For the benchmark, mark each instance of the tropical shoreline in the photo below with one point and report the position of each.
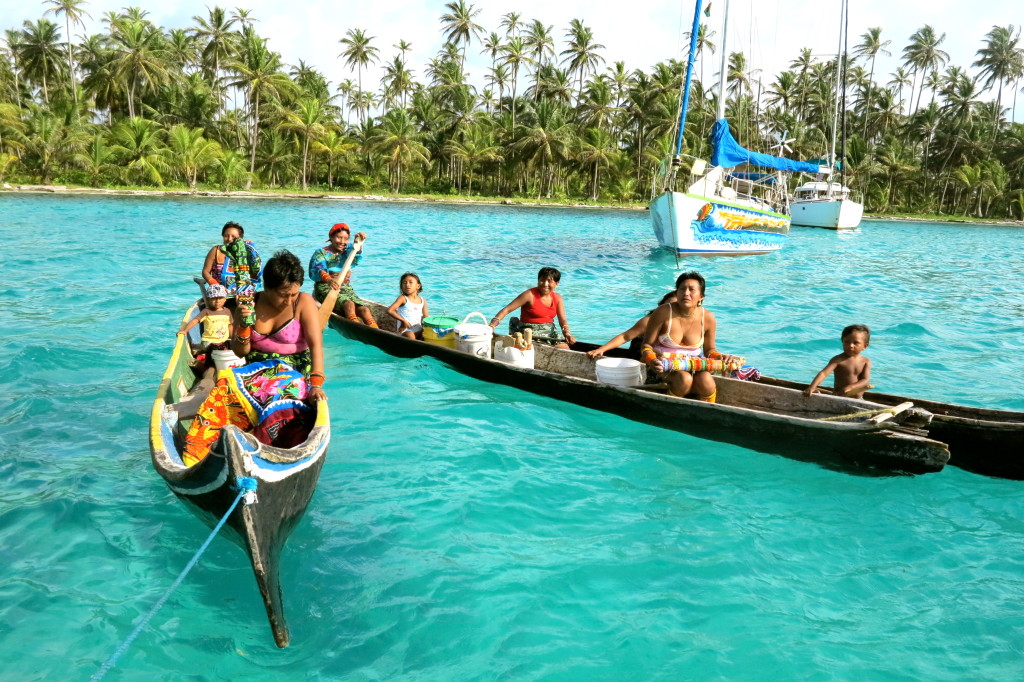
(244, 194)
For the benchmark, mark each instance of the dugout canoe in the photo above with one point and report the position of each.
(770, 419)
(981, 440)
(286, 478)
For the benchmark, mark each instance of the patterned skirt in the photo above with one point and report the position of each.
(300, 362)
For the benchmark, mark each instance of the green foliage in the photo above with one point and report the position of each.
(211, 103)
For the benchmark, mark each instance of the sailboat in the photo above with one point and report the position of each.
(823, 202)
(722, 213)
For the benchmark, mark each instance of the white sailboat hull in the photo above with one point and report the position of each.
(695, 225)
(833, 214)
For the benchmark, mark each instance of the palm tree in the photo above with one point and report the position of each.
(73, 12)
(182, 51)
(243, 18)
(923, 55)
(510, 22)
(332, 145)
(39, 53)
(458, 25)
(703, 43)
(12, 128)
(597, 149)
(736, 75)
(400, 143)
(231, 171)
(581, 54)
(12, 37)
(871, 45)
(96, 159)
(7, 161)
(476, 147)
(397, 82)
(541, 45)
(515, 55)
(900, 79)
(219, 41)
(276, 158)
(802, 64)
(403, 47)
(48, 141)
(598, 109)
(307, 119)
(498, 77)
(1000, 60)
(545, 142)
(137, 145)
(140, 59)
(190, 153)
(358, 53)
(346, 90)
(259, 72)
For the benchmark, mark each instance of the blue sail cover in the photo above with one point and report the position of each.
(728, 153)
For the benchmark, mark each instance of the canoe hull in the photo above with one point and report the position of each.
(285, 478)
(980, 440)
(841, 445)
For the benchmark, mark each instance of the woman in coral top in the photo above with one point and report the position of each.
(540, 306)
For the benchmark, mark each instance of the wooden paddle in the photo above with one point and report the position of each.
(327, 306)
(890, 413)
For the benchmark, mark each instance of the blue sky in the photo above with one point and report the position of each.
(640, 33)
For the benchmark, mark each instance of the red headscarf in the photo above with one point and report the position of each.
(336, 227)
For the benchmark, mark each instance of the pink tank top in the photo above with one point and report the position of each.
(286, 340)
(669, 348)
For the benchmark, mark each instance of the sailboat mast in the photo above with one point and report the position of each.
(835, 105)
(846, 59)
(694, 31)
(722, 75)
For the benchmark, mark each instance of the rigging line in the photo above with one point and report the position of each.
(245, 486)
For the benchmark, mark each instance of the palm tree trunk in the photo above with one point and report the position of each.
(71, 63)
(305, 156)
(253, 133)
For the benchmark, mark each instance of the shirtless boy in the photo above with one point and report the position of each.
(852, 370)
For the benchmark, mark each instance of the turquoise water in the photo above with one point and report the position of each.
(467, 531)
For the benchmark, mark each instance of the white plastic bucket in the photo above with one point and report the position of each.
(511, 355)
(474, 338)
(620, 371)
(226, 359)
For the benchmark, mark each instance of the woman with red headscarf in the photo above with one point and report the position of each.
(326, 263)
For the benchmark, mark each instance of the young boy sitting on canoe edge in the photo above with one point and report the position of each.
(326, 263)
(540, 306)
(852, 370)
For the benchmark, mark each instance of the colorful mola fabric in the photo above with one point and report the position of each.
(264, 398)
(221, 407)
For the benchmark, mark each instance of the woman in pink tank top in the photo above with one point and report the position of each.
(287, 323)
(684, 329)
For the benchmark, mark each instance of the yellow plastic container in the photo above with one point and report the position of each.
(440, 330)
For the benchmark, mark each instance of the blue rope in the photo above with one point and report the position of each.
(243, 485)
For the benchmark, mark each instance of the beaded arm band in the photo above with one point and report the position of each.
(647, 353)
